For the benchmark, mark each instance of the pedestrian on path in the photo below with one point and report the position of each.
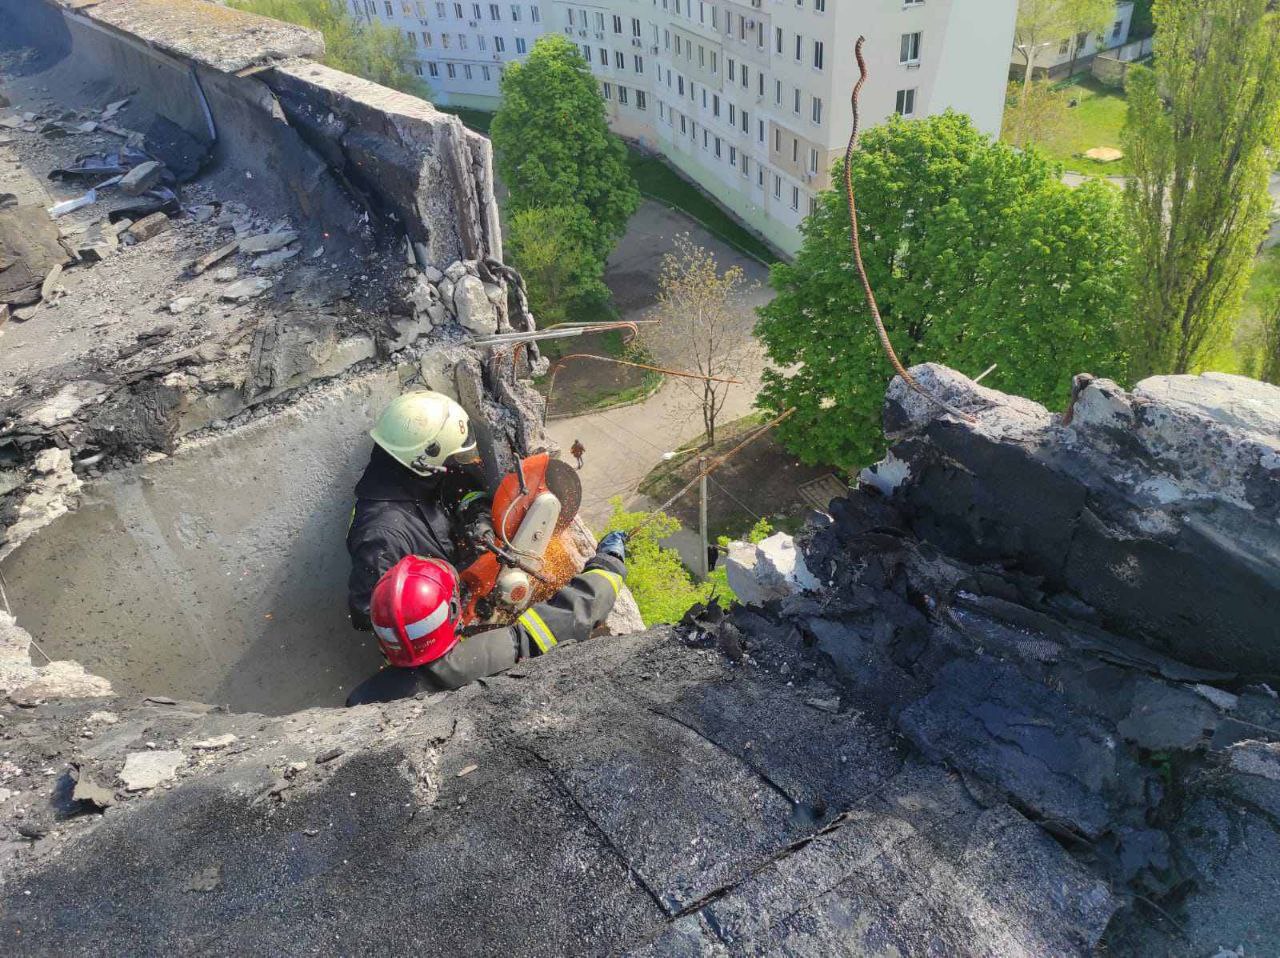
(578, 449)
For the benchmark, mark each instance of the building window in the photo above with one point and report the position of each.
(604, 57)
(684, 127)
(515, 13)
(600, 22)
(816, 114)
(910, 49)
(733, 114)
(440, 11)
(421, 8)
(729, 65)
(813, 205)
(451, 70)
(520, 45)
(481, 41)
(795, 197)
(799, 48)
(640, 100)
(817, 54)
(704, 129)
(444, 40)
(426, 38)
(619, 59)
(717, 148)
(819, 6)
(387, 4)
(778, 37)
(535, 14)
(760, 130)
(777, 186)
(484, 72)
(617, 24)
(433, 69)
(813, 160)
(746, 124)
(795, 150)
(680, 85)
(777, 141)
(586, 53)
(745, 162)
(760, 177)
(715, 104)
(622, 95)
(1063, 48)
(906, 103)
(608, 91)
(417, 68)
(744, 76)
(413, 39)
(457, 11)
(1117, 30)
(733, 156)
(795, 105)
(759, 84)
(466, 70)
(639, 62)
(499, 44)
(635, 27)
(666, 39)
(715, 62)
(715, 18)
(462, 41)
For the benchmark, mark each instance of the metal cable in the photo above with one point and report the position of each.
(883, 333)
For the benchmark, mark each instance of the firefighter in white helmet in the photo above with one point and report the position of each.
(422, 494)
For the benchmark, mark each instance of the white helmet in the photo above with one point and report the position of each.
(422, 429)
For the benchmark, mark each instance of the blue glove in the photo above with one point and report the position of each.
(614, 544)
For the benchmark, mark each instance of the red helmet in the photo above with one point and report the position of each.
(416, 610)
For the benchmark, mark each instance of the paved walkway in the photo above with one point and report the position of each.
(624, 444)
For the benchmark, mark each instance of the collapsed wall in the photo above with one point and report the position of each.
(183, 419)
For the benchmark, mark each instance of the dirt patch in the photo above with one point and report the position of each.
(762, 481)
(581, 385)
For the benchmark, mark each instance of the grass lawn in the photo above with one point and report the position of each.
(1096, 121)
(584, 385)
(659, 181)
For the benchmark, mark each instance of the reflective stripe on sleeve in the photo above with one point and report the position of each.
(471, 497)
(541, 633)
(612, 578)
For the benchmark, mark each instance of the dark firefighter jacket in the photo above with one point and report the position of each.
(568, 616)
(398, 513)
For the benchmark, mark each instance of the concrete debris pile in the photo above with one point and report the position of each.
(1082, 621)
(292, 225)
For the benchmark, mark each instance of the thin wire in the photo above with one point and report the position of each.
(883, 333)
(4, 596)
(719, 486)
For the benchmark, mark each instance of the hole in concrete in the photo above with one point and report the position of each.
(219, 574)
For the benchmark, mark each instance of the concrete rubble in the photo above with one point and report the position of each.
(921, 751)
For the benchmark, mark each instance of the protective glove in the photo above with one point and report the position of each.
(614, 544)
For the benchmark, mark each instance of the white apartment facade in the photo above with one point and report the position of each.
(750, 98)
(461, 48)
(747, 98)
(1054, 58)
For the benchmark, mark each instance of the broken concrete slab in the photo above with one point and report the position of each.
(147, 770)
(268, 242)
(151, 225)
(141, 178)
(245, 289)
(771, 569)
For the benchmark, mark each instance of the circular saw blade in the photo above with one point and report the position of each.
(563, 483)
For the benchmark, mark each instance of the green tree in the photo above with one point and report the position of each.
(1043, 24)
(978, 254)
(1198, 134)
(1034, 114)
(553, 147)
(371, 50)
(663, 588)
(561, 274)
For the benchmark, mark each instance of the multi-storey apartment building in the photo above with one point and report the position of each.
(748, 98)
(461, 48)
(1057, 57)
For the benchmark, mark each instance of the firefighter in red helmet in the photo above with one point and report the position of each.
(416, 607)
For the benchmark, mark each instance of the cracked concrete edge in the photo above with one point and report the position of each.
(210, 34)
(27, 683)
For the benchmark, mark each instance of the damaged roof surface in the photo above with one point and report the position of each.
(629, 794)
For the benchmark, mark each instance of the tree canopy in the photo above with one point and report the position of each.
(1045, 23)
(1199, 134)
(371, 50)
(978, 254)
(553, 147)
